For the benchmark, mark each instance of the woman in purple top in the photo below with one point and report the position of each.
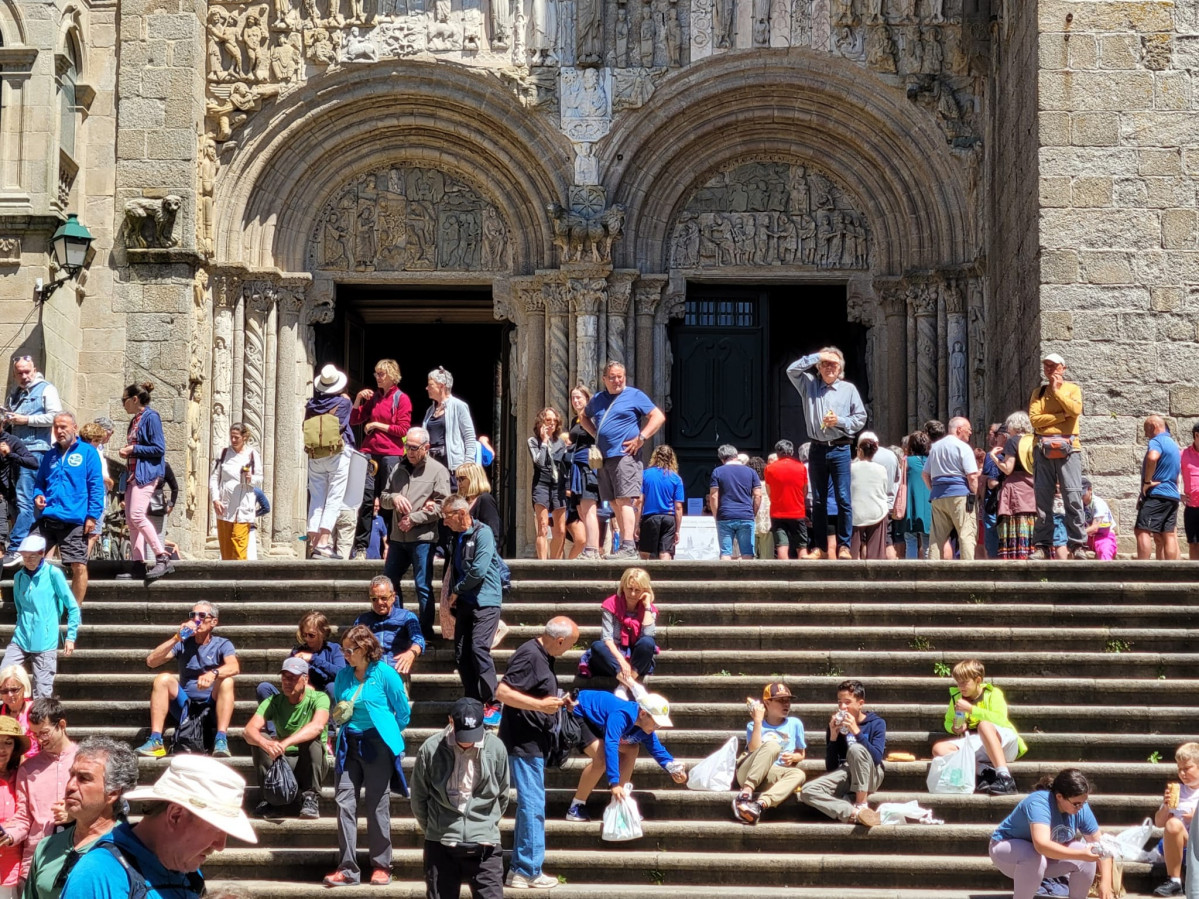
(328, 474)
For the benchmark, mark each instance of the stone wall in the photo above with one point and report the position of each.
(1120, 257)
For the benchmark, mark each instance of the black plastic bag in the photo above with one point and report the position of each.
(279, 787)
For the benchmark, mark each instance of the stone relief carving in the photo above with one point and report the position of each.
(577, 232)
(10, 251)
(200, 350)
(586, 103)
(770, 213)
(150, 222)
(405, 218)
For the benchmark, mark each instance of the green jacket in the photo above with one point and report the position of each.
(437, 815)
(991, 706)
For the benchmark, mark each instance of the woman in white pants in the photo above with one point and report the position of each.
(328, 470)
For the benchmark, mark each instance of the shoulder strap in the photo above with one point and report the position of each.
(395, 402)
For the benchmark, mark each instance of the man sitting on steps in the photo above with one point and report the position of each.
(397, 630)
(857, 741)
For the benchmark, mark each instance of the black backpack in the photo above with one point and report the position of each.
(193, 734)
(565, 734)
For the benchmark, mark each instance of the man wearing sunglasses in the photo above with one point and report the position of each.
(32, 404)
(207, 666)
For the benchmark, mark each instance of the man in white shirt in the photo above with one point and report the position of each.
(951, 473)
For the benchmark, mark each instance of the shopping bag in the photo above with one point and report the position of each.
(715, 773)
(903, 812)
(280, 787)
(953, 773)
(622, 819)
(1129, 844)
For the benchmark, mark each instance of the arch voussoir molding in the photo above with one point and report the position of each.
(860, 130)
(294, 154)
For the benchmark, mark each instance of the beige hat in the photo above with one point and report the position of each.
(330, 380)
(209, 790)
(656, 706)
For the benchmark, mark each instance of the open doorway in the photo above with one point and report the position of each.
(731, 352)
(422, 329)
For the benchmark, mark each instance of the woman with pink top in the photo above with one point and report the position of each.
(1190, 493)
(626, 647)
(14, 744)
(15, 699)
(385, 415)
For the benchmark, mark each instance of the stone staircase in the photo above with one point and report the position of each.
(1098, 661)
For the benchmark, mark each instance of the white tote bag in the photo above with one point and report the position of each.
(715, 773)
(622, 819)
(953, 773)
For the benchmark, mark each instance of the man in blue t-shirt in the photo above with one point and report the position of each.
(1157, 507)
(207, 666)
(734, 500)
(621, 419)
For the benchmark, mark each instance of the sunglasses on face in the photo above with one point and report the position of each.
(12, 691)
(201, 616)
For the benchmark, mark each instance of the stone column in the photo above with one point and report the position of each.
(892, 392)
(980, 412)
(586, 296)
(922, 308)
(226, 290)
(557, 369)
(258, 300)
(862, 309)
(647, 295)
(620, 299)
(673, 307)
(956, 348)
(290, 482)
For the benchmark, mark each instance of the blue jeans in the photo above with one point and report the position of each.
(741, 530)
(25, 516)
(420, 557)
(528, 836)
(827, 462)
(991, 535)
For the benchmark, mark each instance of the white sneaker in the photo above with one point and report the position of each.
(540, 882)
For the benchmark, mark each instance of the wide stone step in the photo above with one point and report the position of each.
(415, 889)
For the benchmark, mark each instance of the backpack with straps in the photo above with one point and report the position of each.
(138, 888)
(322, 436)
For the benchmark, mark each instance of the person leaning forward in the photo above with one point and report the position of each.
(1054, 410)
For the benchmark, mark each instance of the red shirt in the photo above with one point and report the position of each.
(393, 409)
(787, 483)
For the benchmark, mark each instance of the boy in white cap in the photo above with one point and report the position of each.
(42, 596)
(196, 807)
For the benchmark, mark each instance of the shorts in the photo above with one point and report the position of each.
(789, 532)
(1190, 521)
(587, 734)
(69, 538)
(1158, 515)
(620, 478)
(658, 534)
(552, 496)
(1059, 530)
(1008, 740)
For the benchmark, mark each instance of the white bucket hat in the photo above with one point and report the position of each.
(656, 706)
(209, 790)
(330, 380)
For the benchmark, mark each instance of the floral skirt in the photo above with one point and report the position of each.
(1015, 535)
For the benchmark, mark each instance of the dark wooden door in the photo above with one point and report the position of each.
(718, 391)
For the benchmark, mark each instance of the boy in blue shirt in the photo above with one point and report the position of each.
(774, 748)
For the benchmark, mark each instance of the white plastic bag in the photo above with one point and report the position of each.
(1129, 845)
(903, 812)
(715, 773)
(622, 819)
(953, 773)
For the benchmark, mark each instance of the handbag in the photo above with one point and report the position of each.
(344, 710)
(158, 502)
(1056, 446)
(280, 787)
(595, 459)
(622, 819)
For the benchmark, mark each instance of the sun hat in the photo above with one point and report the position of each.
(34, 543)
(10, 727)
(330, 380)
(656, 706)
(209, 790)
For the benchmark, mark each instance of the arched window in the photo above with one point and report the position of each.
(68, 109)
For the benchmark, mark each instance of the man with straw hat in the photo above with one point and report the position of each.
(197, 806)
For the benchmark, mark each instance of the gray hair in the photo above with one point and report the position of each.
(836, 352)
(381, 580)
(611, 364)
(442, 377)
(784, 448)
(417, 436)
(454, 503)
(1018, 423)
(726, 452)
(66, 414)
(120, 764)
(211, 607)
(956, 422)
(560, 628)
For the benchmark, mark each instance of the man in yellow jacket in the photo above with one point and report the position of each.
(1054, 409)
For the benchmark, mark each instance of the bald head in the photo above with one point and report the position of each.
(960, 428)
(1154, 425)
(561, 633)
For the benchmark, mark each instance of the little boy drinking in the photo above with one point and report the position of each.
(977, 717)
(775, 746)
(1174, 815)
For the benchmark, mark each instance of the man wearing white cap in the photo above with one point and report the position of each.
(42, 596)
(328, 441)
(197, 806)
(1054, 410)
(300, 717)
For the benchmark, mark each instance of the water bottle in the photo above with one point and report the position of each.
(959, 719)
(186, 631)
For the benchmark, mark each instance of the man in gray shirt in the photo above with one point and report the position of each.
(834, 413)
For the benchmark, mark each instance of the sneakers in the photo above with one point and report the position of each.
(220, 747)
(340, 879)
(310, 807)
(520, 882)
(1038, 555)
(1003, 785)
(866, 816)
(1078, 554)
(816, 554)
(986, 777)
(324, 552)
(492, 712)
(380, 877)
(590, 554)
(578, 814)
(10, 559)
(746, 810)
(1169, 888)
(152, 749)
(626, 551)
(264, 810)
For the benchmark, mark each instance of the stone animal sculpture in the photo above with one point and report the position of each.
(155, 215)
(570, 230)
(575, 233)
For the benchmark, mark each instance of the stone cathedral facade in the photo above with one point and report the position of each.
(980, 179)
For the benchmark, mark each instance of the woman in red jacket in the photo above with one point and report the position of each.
(384, 415)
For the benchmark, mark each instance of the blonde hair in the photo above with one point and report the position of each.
(1187, 752)
(633, 577)
(664, 457)
(969, 670)
(92, 433)
(19, 674)
(472, 479)
(389, 367)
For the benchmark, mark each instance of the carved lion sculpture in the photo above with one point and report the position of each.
(612, 219)
(156, 215)
(570, 231)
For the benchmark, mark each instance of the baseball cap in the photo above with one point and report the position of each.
(775, 691)
(34, 543)
(656, 706)
(1086, 484)
(1054, 358)
(467, 715)
(296, 666)
(869, 435)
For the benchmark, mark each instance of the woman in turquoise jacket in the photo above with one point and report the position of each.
(370, 746)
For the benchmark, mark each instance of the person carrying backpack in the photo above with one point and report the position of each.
(328, 442)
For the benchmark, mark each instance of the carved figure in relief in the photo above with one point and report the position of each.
(357, 48)
(779, 24)
(724, 15)
(674, 34)
(685, 252)
(207, 171)
(564, 42)
(957, 378)
(222, 46)
(912, 53)
(366, 247)
(323, 47)
(880, 49)
(801, 23)
(286, 58)
(660, 54)
(843, 12)
(151, 222)
(443, 34)
(936, 10)
(874, 11)
(543, 27)
(589, 32)
(851, 42)
(254, 35)
(934, 52)
(761, 33)
(907, 11)
(519, 27)
(284, 13)
(646, 45)
(631, 88)
(622, 36)
(495, 240)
